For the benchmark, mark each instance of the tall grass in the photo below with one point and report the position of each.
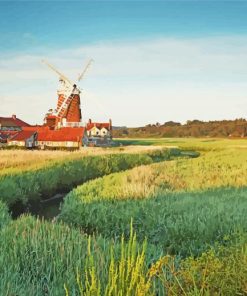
(12, 161)
(53, 259)
(34, 184)
(182, 205)
(180, 223)
(197, 144)
(220, 271)
(41, 258)
(211, 170)
(4, 215)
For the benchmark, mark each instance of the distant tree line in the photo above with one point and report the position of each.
(192, 128)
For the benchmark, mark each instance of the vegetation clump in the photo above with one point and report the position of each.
(188, 216)
(58, 177)
(220, 271)
(4, 215)
(53, 259)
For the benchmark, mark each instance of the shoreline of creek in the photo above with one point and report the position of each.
(49, 208)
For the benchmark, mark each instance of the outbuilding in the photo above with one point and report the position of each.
(23, 139)
(68, 137)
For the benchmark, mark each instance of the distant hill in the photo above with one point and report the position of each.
(192, 128)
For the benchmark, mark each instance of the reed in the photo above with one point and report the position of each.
(52, 259)
(4, 215)
(180, 223)
(220, 271)
(182, 205)
(35, 184)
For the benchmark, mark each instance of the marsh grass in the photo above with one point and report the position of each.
(35, 184)
(220, 271)
(214, 169)
(4, 215)
(12, 161)
(52, 259)
(183, 205)
(191, 211)
(180, 223)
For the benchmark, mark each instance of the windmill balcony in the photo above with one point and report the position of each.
(73, 124)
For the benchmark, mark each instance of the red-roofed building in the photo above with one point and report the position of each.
(99, 134)
(97, 129)
(43, 137)
(23, 139)
(11, 123)
(10, 126)
(69, 137)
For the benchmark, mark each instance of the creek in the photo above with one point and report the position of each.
(46, 209)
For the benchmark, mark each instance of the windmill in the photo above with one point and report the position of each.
(68, 111)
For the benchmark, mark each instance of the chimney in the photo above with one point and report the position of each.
(14, 116)
(89, 121)
(110, 122)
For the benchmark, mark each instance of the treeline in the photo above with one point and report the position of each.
(192, 128)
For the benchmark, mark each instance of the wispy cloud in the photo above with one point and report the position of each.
(135, 82)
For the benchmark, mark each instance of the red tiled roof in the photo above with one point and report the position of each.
(36, 128)
(98, 125)
(8, 133)
(70, 134)
(12, 121)
(22, 136)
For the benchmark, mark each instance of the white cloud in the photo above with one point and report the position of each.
(135, 82)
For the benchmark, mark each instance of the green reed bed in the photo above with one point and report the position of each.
(4, 215)
(62, 176)
(43, 258)
(219, 271)
(180, 223)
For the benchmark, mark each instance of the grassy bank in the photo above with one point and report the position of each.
(189, 216)
(183, 205)
(54, 259)
(50, 259)
(196, 144)
(12, 161)
(180, 223)
(4, 215)
(211, 170)
(35, 184)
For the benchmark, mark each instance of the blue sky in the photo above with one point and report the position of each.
(154, 60)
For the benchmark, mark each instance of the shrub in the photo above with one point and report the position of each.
(220, 271)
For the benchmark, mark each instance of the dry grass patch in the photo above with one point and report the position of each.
(13, 160)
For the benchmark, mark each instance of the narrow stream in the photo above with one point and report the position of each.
(46, 209)
(50, 208)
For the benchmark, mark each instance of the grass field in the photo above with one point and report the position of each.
(15, 160)
(141, 225)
